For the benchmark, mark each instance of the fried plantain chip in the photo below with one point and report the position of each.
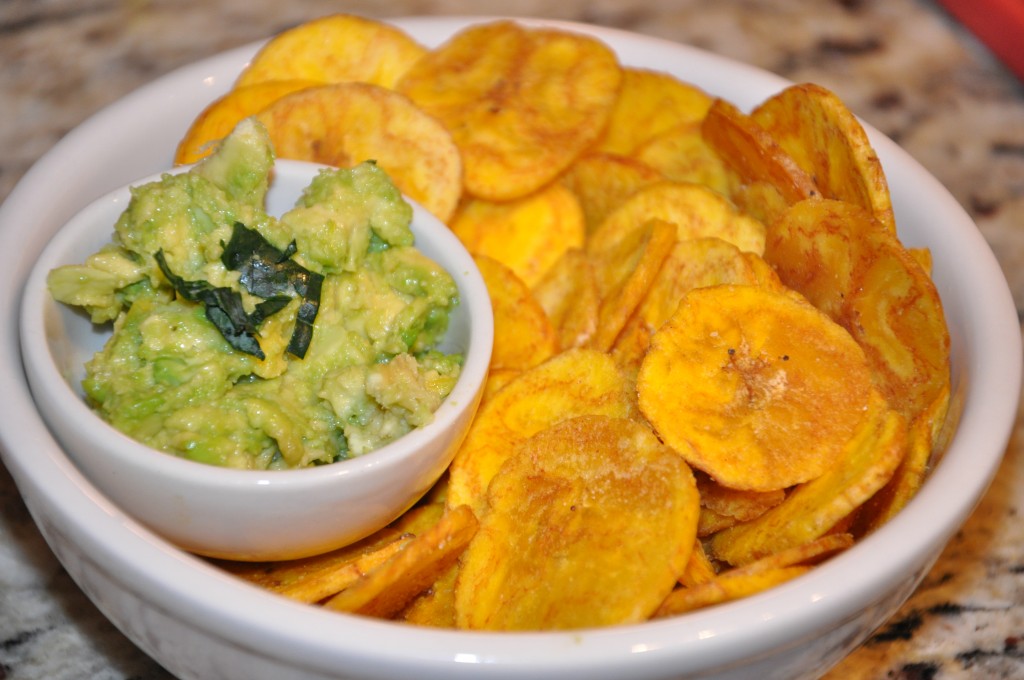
(568, 293)
(347, 123)
(625, 266)
(699, 568)
(755, 387)
(522, 103)
(853, 268)
(575, 382)
(528, 235)
(726, 587)
(602, 181)
(681, 154)
(224, 113)
(812, 509)
(649, 103)
(387, 589)
(434, 607)
(824, 138)
(739, 504)
(589, 523)
(333, 49)
(523, 334)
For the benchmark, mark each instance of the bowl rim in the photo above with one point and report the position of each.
(758, 624)
(126, 450)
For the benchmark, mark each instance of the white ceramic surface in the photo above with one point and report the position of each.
(203, 624)
(245, 514)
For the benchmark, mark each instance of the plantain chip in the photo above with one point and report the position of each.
(726, 587)
(528, 235)
(681, 154)
(824, 138)
(523, 334)
(522, 103)
(755, 387)
(589, 523)
(602, 181)
(575, 382)
(569, 296)
(346, 123)
(333, 49)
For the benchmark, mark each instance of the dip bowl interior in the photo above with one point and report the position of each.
(245, 514)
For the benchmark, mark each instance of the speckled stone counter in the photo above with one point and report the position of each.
(900, 64)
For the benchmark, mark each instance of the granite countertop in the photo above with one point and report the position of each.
(902, 65)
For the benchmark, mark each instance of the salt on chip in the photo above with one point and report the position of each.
(589, 523)
(388, 588)
(221, 116)
(522, 103)
(649, 103)
(755, 387)
(335, 48)
(528, 235)
(822, 135)
(523, 334)
(574, 383)
(602, 181)
(812, 509)
(345, 124)
(568, 293)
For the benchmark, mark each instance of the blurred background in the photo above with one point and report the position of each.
(907, 67)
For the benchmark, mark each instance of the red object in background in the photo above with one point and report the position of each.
(998, 23)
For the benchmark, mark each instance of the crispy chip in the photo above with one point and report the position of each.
(602, 181)
(435, 607)
(625, 266)
(699, 568)
(854, 269)
(521, 102)
(589, 523)
(388, 588)
(812, 509)
(739, 504)
(523, 334)
(333, 49)
(695, 210)
(576, 382)
(527, 235)
(649, 103)
(348, 123)
(726, 587)
(757, 158)
(823, 136)
(220, 117)
(755, 387)
(568, 293)
(681, 154)
(497, 378)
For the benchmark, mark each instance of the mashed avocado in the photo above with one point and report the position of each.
(248, 341)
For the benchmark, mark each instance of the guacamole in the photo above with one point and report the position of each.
(248, 341)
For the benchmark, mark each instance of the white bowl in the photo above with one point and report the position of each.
(245, 514)
(201, 623)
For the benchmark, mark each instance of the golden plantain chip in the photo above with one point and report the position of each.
(523, 334)
(695, 210)
(568, 293)
(575, 382)
(528, 235)
(218, 119)
(755, 387)
(602, 181)
(681, 154)
(521, 102)
(699, 568)
(625, 267)
(711, 522)
(347, 123)
(333, 49)
(391, 586)
(757, 158)
(823, 136)
(812, 509)
(812, 552)
(649, 103)
(726, 587)
(740, 504)
(854, 269)
(435, 607)
(589, 523)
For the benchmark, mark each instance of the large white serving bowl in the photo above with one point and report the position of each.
(201, 623)
(246, 514)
